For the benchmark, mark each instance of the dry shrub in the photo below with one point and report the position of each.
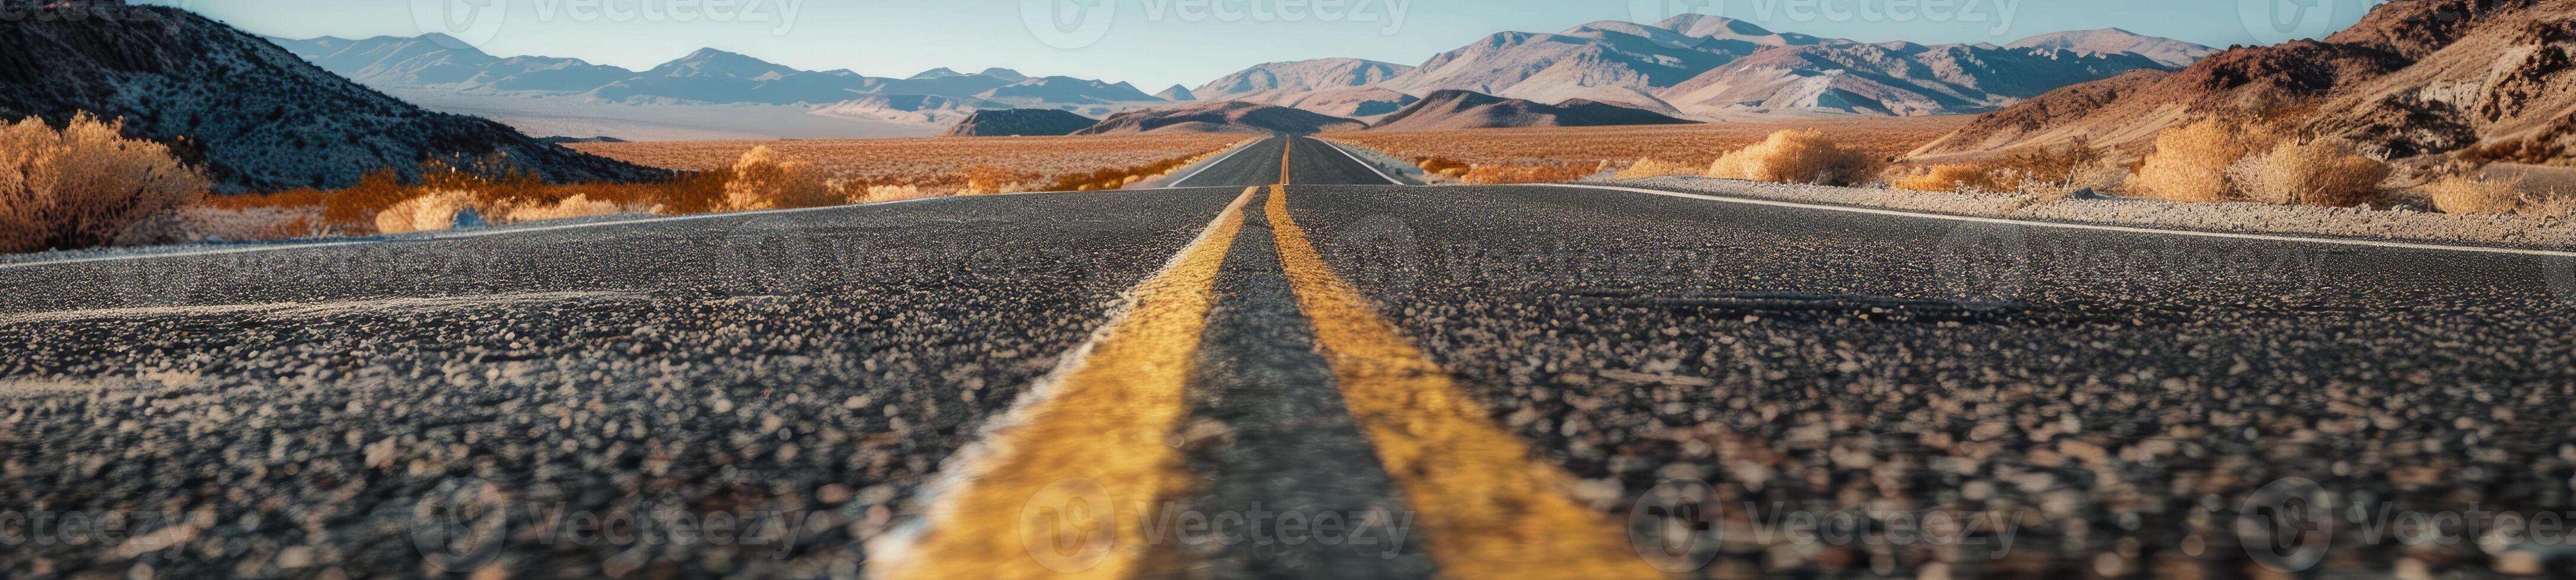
(1111, 178)
(577, 206)
(2317, 173)
(886, 193)
(2462, 194)
(2099, 175)
(1659, 167)
(2049, 173)
(199, 223)
(1954, 177)
(990, 179)
(2190, 162)
(1795, 156)
(764, 180)
(84, 185)
(1540, 173)
(1443, 167)
(432, 212)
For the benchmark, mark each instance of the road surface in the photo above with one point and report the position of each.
(1284, 368)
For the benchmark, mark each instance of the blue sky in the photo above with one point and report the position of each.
(1157, 43)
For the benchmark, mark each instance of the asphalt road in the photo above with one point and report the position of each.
(1323, 379)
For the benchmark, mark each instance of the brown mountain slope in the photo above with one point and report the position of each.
(2386, 46)
(1020, 123)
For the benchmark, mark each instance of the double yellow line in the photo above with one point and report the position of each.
(1066, 492)
(1062, 491)
(1487, 510)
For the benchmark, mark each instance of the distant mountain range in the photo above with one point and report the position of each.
(1695, 67)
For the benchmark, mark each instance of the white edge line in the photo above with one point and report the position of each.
(2060, 225)
(966, 465)
(1176, 183)
(1372, 167)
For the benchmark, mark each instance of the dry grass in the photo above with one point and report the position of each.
(499, 196)
(2047, 173)
(764, 179)
(436, 211)
(1444, 167)
(1535, 173)
(937, 166)
(2317, 173)
(2472, 195)
(1953, 177)
(1796, 156)
(751, 176)
(84, 185)
(1659, 167)
(440, 210)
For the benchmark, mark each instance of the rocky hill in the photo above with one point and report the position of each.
(1020, 122)
(1472, 110)
(1223, 117)
(258, 117)
(2414, 77)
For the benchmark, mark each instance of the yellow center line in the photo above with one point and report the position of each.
(1284, 150)
(1063, 492)
(1487, 510)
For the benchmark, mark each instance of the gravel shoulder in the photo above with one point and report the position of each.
(2515, 231)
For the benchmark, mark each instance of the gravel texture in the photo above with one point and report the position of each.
(2120, 397)
(352, 410)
